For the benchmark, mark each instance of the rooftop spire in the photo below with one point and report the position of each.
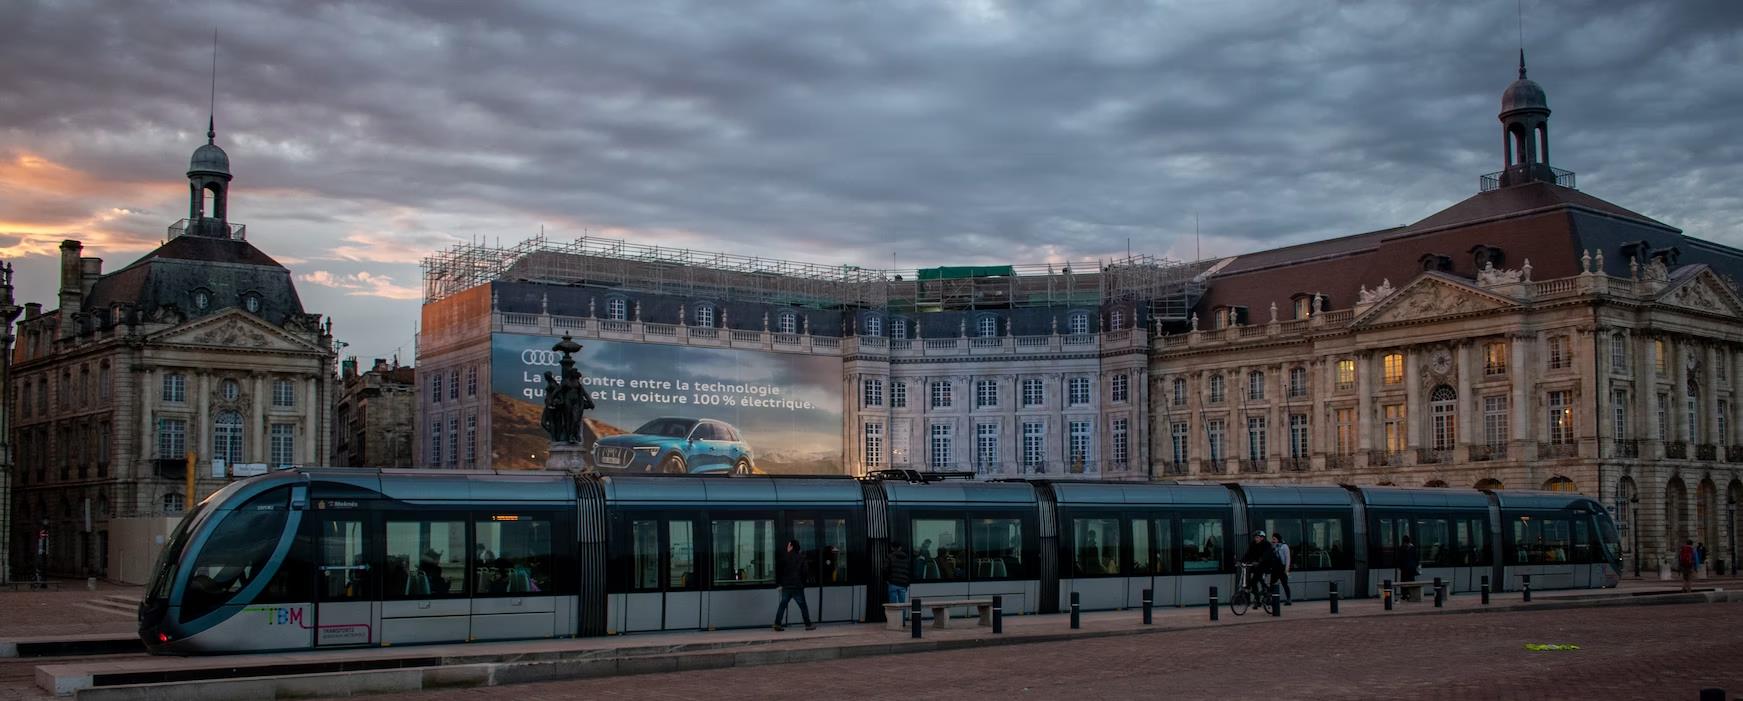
(1522, 63)
(212, 104)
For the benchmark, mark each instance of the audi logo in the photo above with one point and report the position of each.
(539, 357)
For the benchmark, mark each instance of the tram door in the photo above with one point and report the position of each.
(345, 609)
(828, 592)
(665, 593)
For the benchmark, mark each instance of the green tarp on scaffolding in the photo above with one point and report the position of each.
(955, 272)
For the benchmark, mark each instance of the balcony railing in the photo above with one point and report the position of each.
(1381, 457)
(1625, 448)
(1492, 181)
(1297, 464)
(1734, 453)
(1485, 453)
(1250, 466)
(208, 227)
(1676, 450)
(1175, 469)
(1707, 451)
(1340, 462)
(1433, 456)
(1551, 451)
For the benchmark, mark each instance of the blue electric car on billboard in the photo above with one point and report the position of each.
(676, 445)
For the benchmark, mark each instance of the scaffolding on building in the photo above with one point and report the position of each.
(1170, 287)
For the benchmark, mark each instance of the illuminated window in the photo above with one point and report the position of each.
(1345, 436)
(1393, 424)
(1660, 356)
(1561, 417)
(1495, 358)
(1443, 417)
(1392, 368)
(1346, 370)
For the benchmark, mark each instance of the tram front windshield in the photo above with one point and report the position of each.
(169, 560)
(1612, 541)
(236, 553)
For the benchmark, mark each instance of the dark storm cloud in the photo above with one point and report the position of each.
(941, 132)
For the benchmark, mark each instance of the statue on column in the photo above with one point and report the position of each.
(566, 399)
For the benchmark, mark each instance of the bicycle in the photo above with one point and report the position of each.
(1249, 587)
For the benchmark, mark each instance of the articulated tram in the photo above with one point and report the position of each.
(328, 557)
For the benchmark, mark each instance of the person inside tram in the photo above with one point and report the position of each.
(430, 566)
(1089, 559)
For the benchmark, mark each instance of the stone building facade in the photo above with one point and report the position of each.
(200, 348)
(1537, 338)
(374, 419)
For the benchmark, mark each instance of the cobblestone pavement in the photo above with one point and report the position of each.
(71, 611)
(1649, 652)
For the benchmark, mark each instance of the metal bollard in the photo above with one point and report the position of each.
(1149, 601)
(1386, 593)
(1276, 600)
(998, 615)
(1440, 596)
(1213, 604)
(1527, 587)
(1334, 597)
(1075, 612)
(1485, 590)
(914, 617)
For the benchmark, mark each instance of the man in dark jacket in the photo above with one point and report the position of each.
(897, 573)
(790, 574)
(1262, 557)
(1409, 564)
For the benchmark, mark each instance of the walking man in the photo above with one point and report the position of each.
(1284, 562)
(1685, 564)
(790, 574)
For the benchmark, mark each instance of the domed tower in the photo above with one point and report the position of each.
(209, 173)
(1525, 132)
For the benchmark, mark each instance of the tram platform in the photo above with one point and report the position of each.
(417, 668)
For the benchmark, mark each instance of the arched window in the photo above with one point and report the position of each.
(1077, 324)
(202, 299)
(1216, 388)
(1559, 483)
(874, 326)
(1179, 391)
(617, 309)
(986, 326)
(1255, 385)
(1116, 320)
(705, 316)
(1443, 417)
(787, 322)
(227, 437)
(1489, 483)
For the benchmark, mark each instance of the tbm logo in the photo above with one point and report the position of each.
(284, 616)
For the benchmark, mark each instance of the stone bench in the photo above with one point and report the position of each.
(894, 614)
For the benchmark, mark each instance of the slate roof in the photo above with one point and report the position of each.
(228, 269)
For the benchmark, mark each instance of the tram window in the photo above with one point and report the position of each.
(425, 559)
(1095, 545)
(1472, 537)
(744, 552)
(1152, 546)
(804, 531)
(512, 555)
(1557, 540)
(998, 548)
(834, 551)
(1391, 533)
(1321, 546)
(1143, 552)
(344, 565)
(1582, 542)
(235, 553)
(1162, 561)
(681, 565)
(939, 554)
(1432, 543)
(644, 550)
(1201, 544)
(1290, 529)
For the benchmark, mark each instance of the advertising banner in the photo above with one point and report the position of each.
(672, 408)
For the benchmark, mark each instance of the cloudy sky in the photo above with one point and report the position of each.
(365, 136)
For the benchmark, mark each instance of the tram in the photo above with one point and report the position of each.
(315, 558)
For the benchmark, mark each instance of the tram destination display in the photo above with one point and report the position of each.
(671, 408)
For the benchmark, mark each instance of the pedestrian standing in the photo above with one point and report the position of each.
(1284, 563)
(1408, 564)
(1700, 555)
(790, 574)
(898, 571)
(1685, 564)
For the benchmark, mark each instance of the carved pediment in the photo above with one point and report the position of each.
(234, 331)
(1703, 292)
(1428, 297)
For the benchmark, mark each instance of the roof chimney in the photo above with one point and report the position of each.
(90, 269)
(72, 287)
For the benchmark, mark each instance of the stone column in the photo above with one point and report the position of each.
(150, 389)
(312, 429)
(1320, 421)
(1364, 403)
(201, 445)
(1588, 428)
(1710, 399)
(1521, 374)
(1467, 401)
(1679, 394)
(257, 448)
(1645, 423)
(1414, 412)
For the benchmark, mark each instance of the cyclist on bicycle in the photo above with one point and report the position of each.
(1263, 559)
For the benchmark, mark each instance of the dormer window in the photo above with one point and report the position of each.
(251, 302)
(1078, 323)
(987, 326)
(617, 309)
(874, 326)
(899, 329)
(705, 316)
(202, 300)
(787, 322)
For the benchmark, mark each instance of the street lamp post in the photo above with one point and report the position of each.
(1634, 530)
